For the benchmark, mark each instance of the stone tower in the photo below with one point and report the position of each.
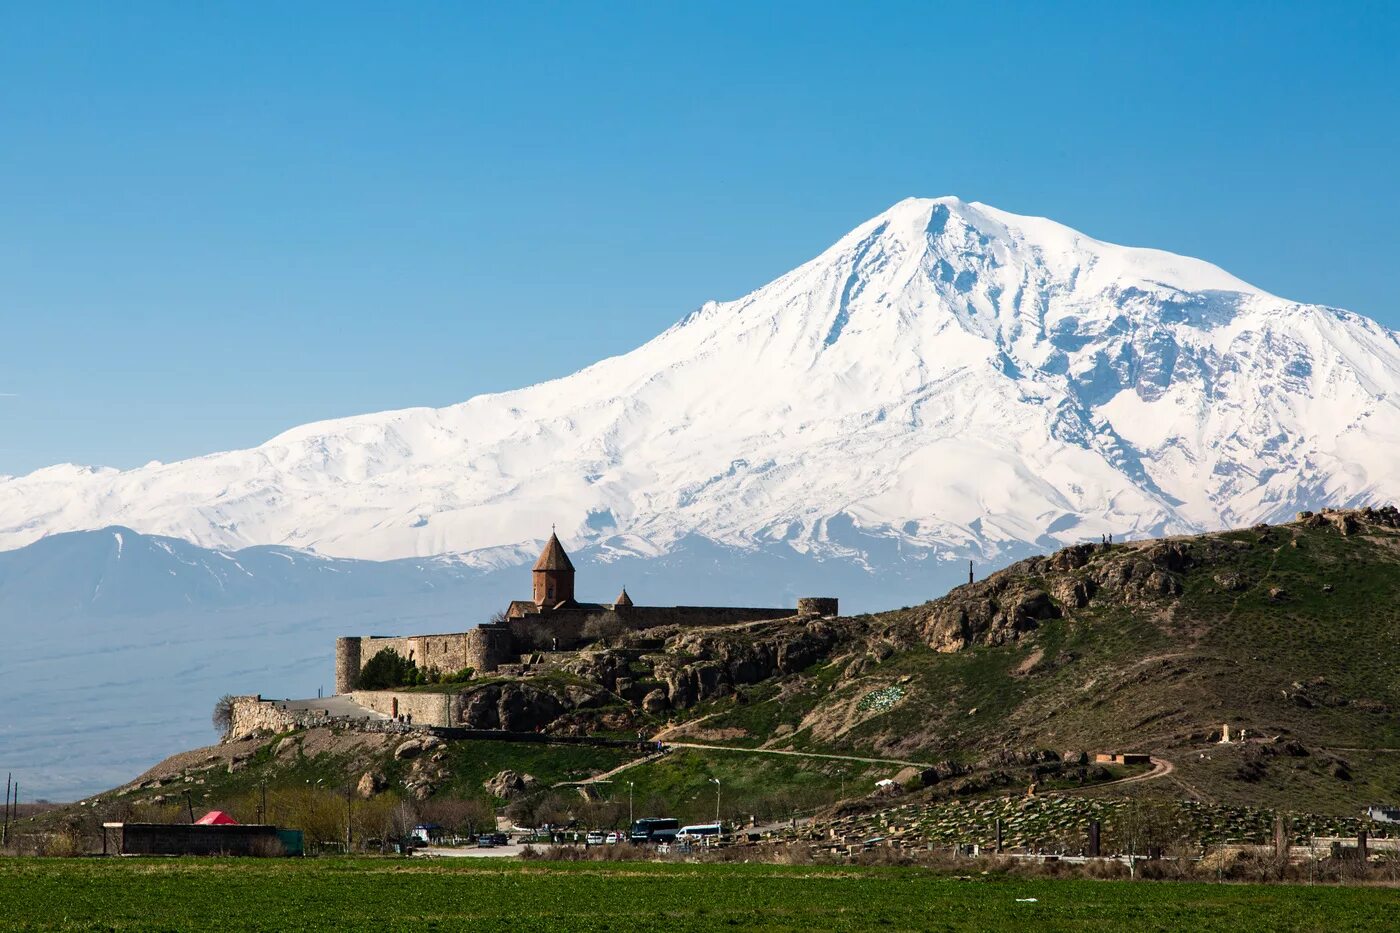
(347, 664)
(554, 575)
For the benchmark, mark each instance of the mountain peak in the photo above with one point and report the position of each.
(960, 230)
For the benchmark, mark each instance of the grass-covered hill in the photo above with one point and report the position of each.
(1290, 632)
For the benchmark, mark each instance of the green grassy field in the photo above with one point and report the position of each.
(170, 894)
(770, 787)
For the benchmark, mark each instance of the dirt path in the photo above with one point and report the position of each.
(683, 726)
(1161, 768)
(781, 751)
(606, 776)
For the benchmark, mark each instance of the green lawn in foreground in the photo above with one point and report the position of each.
(365, 894)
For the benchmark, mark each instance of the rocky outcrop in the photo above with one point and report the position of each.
(1352, 521)
(371, 783)
(655, 702)
(1010, 603)
(695, 665)
(412, 748)
(702, 665)
(507, 785)
(517, 707)
(995, 611)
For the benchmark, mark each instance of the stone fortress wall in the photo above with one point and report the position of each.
(485, 648)
(258, 715)
(252, 715)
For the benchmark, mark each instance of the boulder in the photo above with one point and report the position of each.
(509, 784)
(1231, 582)
(1070, 558)
(655, 702)
(1072, 592)
(409, 749)
(1345, 522)
(371, 783)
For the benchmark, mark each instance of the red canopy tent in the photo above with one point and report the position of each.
(216, 818)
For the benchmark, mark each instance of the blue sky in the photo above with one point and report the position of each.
(220, 221)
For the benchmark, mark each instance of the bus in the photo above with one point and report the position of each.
(654, 829)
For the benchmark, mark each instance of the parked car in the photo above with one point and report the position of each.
(490, 840)
(594, 838)
(615, 838)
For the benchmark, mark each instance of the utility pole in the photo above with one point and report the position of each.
(262, 810)
(349, 803)
(970, 578)
(189, 802)
(716, 783)
(630, 818)
(5, 830)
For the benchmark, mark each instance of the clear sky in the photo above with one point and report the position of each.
(221, 221)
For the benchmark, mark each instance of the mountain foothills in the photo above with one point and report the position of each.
(947, 380)
(1262, 637)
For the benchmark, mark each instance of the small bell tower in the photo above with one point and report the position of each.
(553, 575)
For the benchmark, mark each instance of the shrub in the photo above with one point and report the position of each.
(389, 669)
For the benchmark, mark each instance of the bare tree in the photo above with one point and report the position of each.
(465, 816)
(598, 626)
(223, 715)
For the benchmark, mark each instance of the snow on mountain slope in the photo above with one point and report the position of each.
(950, 376)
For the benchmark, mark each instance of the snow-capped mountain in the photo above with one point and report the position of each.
(948, 376)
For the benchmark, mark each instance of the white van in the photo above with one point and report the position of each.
(701, 832)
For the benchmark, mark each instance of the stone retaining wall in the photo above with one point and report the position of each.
(252, 715)
(427, 709)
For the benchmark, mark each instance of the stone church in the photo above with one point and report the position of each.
(552, 619)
